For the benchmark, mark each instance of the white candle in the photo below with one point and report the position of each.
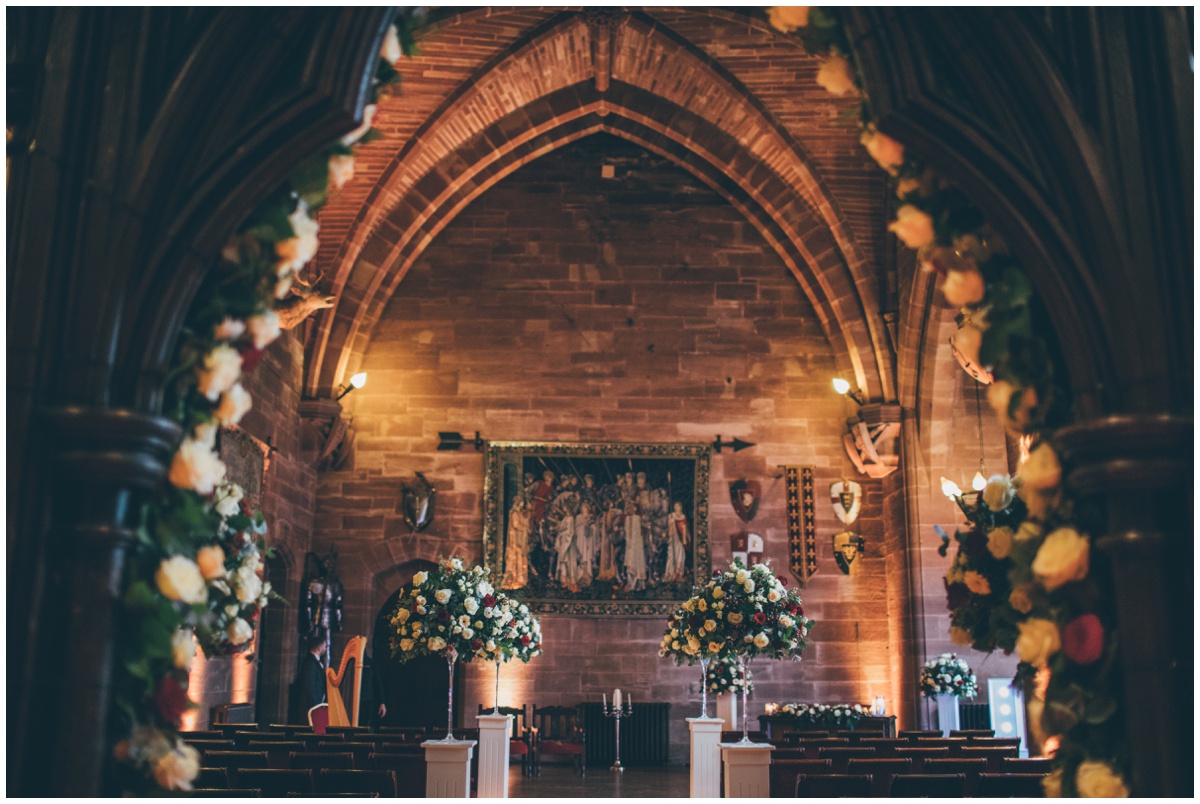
(604, 698)
(629, 702)
(617, 698)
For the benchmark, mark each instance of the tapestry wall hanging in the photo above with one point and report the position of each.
(601, 529)
(801, 521)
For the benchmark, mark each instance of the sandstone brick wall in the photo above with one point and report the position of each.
(564, 306)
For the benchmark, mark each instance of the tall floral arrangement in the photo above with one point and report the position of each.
(1022, 578)
(196, 566)
(757, 614)
(946, 674)
(452, 608)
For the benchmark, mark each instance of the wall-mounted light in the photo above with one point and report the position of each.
(966, 500)
(843, 389)
(357, 381)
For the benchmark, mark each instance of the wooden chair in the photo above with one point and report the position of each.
(913, 734)
(1042, 765)
(736, 736)
(359, 750)
(318, 718)
(235, 759)
(919, 755)
(833, 785)
(380, 782)
(922, 785)
(275, 782)
(558, 731)
(881, 771)
(212, 778)
(277, 752)
(211, 745)
(350, 731)
(520, 740)
(784, 772)
(969, 768)
(316, 760)
(841, 755)
(884, 746)
(1010, 785)
(971, 734)
(996, 742)
(409, 769)
(228, 792)
(995, 756)
(817, 734)
(788, 753)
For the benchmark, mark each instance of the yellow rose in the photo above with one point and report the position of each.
(406, 645)
(197, 467)
(221, 369)
(998, 493)
(1038, 641)
(702, 605)
(402, 615)
(1097, 780)
(1020, 599)
(420, 578)
(761, 640)
(963, 288)
(436, 643)
(176, 769)
(906, 186)
(1042, 471)
(788, 18)
(977, 583)
(710, 625)
(1000, 542)
(178, 578)
(960, 636)
(1062, 559)
(912, 226)
(718, 593)
(734, 617)
(886, 152)
(835, 75)
(1052, 784)
(211, 561)
(714, 647)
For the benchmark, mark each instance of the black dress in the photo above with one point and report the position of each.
(312, 683)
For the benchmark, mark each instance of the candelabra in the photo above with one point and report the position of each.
(616, 712)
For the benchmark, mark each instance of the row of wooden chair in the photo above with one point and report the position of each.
(282, 782)
(919, 785)
(784, 771)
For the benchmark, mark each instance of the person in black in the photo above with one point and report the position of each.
(312, 676)
(373, 708)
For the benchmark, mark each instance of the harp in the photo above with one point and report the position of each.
(344, 686)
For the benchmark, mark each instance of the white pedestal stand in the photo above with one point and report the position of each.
(448, 768)
(706, 756)
(727, 710)
(747, 770)
(947, 709)
(494, 731)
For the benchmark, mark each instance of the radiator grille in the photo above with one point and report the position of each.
(974, 716)
(645, 735)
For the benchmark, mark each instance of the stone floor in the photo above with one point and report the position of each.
(561, 781)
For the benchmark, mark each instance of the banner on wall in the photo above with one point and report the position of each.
(801, 521)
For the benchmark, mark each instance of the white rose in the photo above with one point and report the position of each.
(232, 611)
(211, 561)
(357, 134)
(183, 648)
(229, 329)
(761, 641)
(264, 328)
(485, 588)
(296, 252)
(229, 495)
(221, 369)
(742, 575)
(468, 633)
(913, 227)
(1062, 559)
(1097, 780)
(748, 586)
(773, 596)
(206, 433)
(176, 769)
(1000, 542)
(248, 584)
(786, 621)
(420, 578)
(1038, 641)
(471, 605)
(998, 493)
(442, 595)
(391, 52)
(197, 467)
(239, 632)
(178, 578)
(1042, 472)
(341, 170)
(235, 403)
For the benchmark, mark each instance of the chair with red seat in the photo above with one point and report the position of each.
(558, 731)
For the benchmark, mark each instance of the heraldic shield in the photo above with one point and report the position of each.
(846, 547)
(417, 503)
(846, 496)
(745, 494)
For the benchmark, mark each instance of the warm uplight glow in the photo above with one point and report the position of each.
(359, 379)
(950, 488)
(979, 482)
(841, 386)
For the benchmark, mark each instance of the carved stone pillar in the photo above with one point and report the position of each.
(1139, 469)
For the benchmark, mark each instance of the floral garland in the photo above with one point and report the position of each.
(196, 565)
(1021, 579)
(948, 675)
(824, 716)
(723, 676)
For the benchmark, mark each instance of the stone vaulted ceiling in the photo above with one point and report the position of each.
(719, 93)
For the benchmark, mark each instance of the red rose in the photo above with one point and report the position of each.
(781, 579)
(525, 640)
(793, 608)
(170, 699)
(760, 618)
(476, 644)
(488, 601)
(443, 615)
(250, 356)
(1083, 639)
(957, 595)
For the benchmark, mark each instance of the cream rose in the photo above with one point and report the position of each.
(229, 497)
(206, 434)
(742, 575)
(998, 493)
(211, 561)
(1052, 784)
(221, 369)
(788, 18)
(183, 648)
(357, 134)
(442, 595)
(960, 636)
(773, 596)
(786, 621)
(420, 578)
(235, 403)
(912, 226)
(748, 586)
(963, 288)
(999, 542)
(1029, 530)
(718, 593)
(1000, 398)
(229, 329)
(1062, 559)
(886, 152)
(264, 328)
(906, 186)
(1021, 599)
(835, 75)
(341, 170)
(239, 632)
(1097, 780)
(197, 467)
(1042, 471)
(296, 252)
(735, 618)
(391, 52)
(247, 584)
(977, 583)
(176, 769)
(1038, 641)
(178, 578)
(761, 641)
(471, 605)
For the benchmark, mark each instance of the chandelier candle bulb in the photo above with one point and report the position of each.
(617, 697)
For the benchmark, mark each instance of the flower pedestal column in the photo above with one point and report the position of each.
(448, 768)
(494, 731)
(747, 770)
(727, 710)
(947, 709)
(705, 756)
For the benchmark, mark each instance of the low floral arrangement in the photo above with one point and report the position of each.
(196, 565)
(1022, 578)
(824, 716)
(723, 676)
(948, 675)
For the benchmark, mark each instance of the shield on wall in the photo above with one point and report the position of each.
(745, 494)
(416, 501)
(846, 496)
(846, 547)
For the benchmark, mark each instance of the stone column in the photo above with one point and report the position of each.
(747, 770)
(448, 768)
(706, 756)
(494, 732)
